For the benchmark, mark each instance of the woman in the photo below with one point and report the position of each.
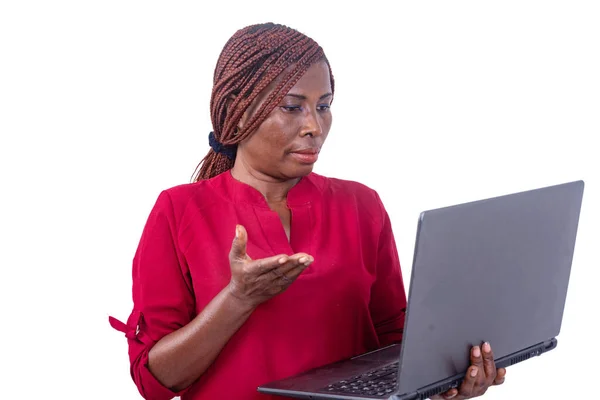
(261, 269)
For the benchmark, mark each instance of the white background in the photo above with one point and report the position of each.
(104, 104)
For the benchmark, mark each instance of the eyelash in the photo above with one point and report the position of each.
(322, 107)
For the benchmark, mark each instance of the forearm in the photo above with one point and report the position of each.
(180, 358)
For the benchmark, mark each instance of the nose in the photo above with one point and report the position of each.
(311, 125)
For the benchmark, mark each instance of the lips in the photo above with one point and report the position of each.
(307, 151)
(306, 156)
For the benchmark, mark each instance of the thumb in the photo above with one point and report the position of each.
(238, 247)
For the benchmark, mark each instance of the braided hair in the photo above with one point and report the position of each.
(251, 60)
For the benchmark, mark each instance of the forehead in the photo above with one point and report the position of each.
(316, 79)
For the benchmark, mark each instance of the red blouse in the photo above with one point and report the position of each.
(349, 301)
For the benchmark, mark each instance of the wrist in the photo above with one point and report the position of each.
(237, 302)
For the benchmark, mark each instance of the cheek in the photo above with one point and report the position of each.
(327, 119)
(271, 138)
(279, 132)
(325, 122)
(282, 137)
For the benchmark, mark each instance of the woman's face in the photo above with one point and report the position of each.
(286, 145)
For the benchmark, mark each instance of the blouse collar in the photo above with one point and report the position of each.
(307, 190)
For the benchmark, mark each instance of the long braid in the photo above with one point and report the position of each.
(250, 61)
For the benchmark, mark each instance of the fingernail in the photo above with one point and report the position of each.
(303, 260)
(476, 351)
(452, 395)
(237, 232)
(474, 372)
(282, 260)
(486, 347)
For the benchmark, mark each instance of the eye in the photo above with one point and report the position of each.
(291, 108)
(323, 107)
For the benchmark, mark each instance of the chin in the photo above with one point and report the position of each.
(305, 169)
(298, 171)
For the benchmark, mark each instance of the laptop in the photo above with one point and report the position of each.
(492, 270)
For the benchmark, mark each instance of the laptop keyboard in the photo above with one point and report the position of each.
(377, 383)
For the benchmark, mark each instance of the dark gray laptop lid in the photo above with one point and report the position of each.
(494, 270)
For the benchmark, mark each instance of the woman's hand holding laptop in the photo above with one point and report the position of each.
(480, 376)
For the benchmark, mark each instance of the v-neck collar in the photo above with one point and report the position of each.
(303, 193)
(300, 201)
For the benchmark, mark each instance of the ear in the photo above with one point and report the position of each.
(245, 116)
(243, 120)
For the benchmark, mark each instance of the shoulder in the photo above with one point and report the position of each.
(344, 187)
(180, 201)
(366, 198)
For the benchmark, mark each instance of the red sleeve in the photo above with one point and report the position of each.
(388, 296)
(163, 298)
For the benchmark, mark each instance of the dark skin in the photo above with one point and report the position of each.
(272, 160)
(301, 122)
(269, 162)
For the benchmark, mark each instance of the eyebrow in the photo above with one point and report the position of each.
(302, 97)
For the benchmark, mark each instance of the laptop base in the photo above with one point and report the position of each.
(379, 358)
(456, 381)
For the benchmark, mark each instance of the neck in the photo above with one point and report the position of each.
(274, 189)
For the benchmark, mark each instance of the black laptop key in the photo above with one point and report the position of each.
(377, 383)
